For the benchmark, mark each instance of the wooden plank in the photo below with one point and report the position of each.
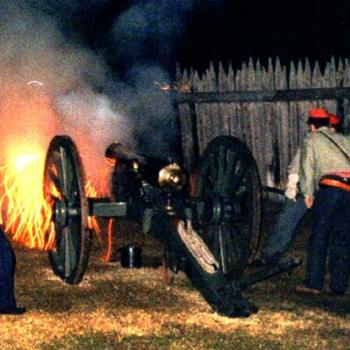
(293, 115)
(199, 108)
(238, 118)
(260, 122)
(185, 122)
(305, 82)
(346, 84)
(268, 84)
(252, 113)
(224, 108)
(282, 124)
(242, 96)
(330, 80)
(213, 110)
(244, 113)
(340, 73)
(235, 126)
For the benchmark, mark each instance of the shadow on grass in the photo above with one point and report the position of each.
(104, 286)
(339, 305)
(278, 295)
(106, 295)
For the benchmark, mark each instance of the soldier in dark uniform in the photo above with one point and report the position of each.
(325, 185)
(294, 209)
(7, 272)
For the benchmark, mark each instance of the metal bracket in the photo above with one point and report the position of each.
(102, 208)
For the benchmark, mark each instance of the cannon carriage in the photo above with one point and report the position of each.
(208, 219)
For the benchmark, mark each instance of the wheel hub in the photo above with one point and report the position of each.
(216, 208)
(60, 213)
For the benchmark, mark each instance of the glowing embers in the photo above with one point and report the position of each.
(95, 226)
(24, 211)
(92, 221)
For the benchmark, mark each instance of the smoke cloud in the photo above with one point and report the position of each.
(47, 87)
(149, 30)
(51, 83)
(144, 38)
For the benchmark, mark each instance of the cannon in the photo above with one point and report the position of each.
(208, 219)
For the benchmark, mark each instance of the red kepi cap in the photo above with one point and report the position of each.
(318, 113)
(334, 119)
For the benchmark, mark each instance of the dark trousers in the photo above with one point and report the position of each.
(7, 272)
(330, 230)
(282, 236)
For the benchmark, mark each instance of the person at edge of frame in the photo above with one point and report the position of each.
(294, 209)
(7, 276)
(325, 186)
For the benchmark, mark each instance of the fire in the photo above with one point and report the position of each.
(95, 226)
(173, 86)
(30, 113)
(24, 212)
(92, 222)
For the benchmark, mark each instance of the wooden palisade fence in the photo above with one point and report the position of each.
(266, 107)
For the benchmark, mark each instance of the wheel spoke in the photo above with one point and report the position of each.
(220, 184)
(60, 166)
(212, 173)
(236, 180)
(63, 171)
(69, 252)
(232, 158)
(55, 180)
(223, 252)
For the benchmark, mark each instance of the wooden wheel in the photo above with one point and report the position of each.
(229, 196)
(64, 189)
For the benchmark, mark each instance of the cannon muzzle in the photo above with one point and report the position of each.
(158, 172)
(117, 152)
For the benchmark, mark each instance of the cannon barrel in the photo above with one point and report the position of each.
(117, 151)
(157, 172)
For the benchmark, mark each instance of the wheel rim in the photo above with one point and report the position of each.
(229, 191)
(64, 189)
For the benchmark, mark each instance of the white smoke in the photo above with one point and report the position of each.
(62, 99)
(77, 94)
(145, 37)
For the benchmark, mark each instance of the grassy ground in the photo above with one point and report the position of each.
(115, 308)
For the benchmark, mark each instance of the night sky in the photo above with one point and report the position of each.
(236, 30)
(216, 30)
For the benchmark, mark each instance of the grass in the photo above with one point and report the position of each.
(116, 308)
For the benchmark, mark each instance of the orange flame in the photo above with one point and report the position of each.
(28, 113)
(24, 212)
(92, 221)
(94, 225)
(173, 86)
(108, 254)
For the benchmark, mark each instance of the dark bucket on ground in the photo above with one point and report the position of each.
(130, 256)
